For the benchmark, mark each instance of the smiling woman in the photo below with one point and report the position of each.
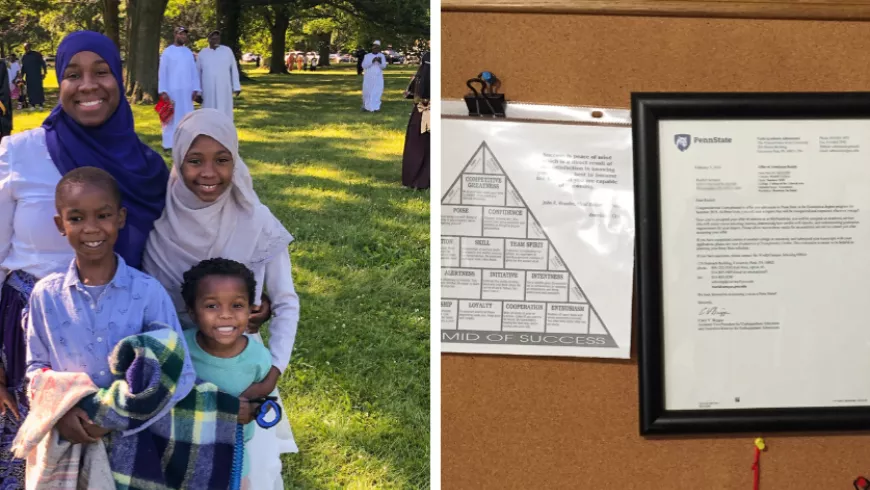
(89, 92)
(92, 126)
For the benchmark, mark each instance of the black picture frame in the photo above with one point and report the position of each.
(647, 110)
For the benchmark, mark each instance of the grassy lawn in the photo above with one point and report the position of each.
(357, 390)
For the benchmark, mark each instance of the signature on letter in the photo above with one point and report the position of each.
(713, 311)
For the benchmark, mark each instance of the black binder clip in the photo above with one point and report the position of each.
(486, 102)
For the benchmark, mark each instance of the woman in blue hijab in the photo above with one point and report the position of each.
(92, 125)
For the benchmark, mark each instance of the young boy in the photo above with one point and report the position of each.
(77, 317)
(218, 295)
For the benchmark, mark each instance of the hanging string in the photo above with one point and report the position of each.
(756, 465)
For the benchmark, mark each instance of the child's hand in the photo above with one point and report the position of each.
(95, 430)
(71, 426)
(7, 402)
(247, 411)
(259, 314)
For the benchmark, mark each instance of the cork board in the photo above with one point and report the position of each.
(519, 422)
(752, 9)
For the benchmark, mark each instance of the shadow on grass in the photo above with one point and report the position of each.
(350, 171)
(342, 106)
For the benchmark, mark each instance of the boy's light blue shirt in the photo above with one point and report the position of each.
(232, 375)
(69, 330)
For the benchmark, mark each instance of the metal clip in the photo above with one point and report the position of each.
(487, 101)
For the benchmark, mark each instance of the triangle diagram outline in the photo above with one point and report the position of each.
(484, 148)
(480, 149)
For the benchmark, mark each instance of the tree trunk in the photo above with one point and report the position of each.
(110, 18)
(132, 26)
(145, 42)
(278, 30)
(229, 13)
(323, 48)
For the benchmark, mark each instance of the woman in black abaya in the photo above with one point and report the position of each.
(415, 159)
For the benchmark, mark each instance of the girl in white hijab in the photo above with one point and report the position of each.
(212, 211)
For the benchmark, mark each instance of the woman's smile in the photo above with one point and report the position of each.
(90, 105)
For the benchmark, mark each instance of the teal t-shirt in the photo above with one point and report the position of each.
(232, 375)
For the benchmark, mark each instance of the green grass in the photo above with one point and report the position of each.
(357, 391)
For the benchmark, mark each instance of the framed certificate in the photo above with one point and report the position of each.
(753, 261)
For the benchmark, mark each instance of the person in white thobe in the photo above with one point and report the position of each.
(218, 75)
(178, 79)
(14, 68)
(373, 79)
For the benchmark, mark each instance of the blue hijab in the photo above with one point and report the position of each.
(114, 147)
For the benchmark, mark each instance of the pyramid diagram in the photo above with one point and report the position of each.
(500, 272)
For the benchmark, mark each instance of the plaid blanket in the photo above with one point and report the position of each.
(191, 448)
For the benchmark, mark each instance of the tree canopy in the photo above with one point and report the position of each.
(266, 27)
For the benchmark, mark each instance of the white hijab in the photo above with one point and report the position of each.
(236, 226)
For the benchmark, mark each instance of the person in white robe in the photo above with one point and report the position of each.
(14, 68)
(218, 75)
(373, 79)
(177, 79)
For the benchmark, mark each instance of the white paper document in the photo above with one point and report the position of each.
(766, 263)
(537, 239)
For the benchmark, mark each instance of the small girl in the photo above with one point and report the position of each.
(21, 90)
(218, 295)
(15, 92)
